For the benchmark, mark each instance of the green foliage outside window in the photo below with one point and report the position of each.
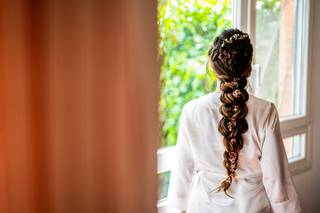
(187, 29)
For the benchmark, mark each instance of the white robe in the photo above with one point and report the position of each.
(263, 183)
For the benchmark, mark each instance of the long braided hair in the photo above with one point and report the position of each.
(230, 57)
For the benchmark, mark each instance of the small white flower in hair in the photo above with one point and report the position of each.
(233, 141)
(235, 108)
(236, 93)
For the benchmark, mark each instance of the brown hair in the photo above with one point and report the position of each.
(230, 56)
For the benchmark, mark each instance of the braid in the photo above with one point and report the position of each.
(230, 57)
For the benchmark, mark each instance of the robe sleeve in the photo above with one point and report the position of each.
(275, 168)
(180, 186)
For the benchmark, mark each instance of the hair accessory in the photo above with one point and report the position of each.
(233, 154)
(233, 121)
(233, 141)
(235, 108)
(233, 167)
(234, 38)
(236, 93)
(232, 124)
(232, 159)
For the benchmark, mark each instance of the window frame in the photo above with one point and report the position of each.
(244, 18)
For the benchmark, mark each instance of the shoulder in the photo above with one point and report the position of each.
(256, 103)
(264, 109)
(203, 102)
(195, 110)
(259, 102)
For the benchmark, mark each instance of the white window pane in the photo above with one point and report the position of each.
(163, 179)
(295, 147)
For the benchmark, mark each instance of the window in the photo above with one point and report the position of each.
(279, 32)
(295, 147)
